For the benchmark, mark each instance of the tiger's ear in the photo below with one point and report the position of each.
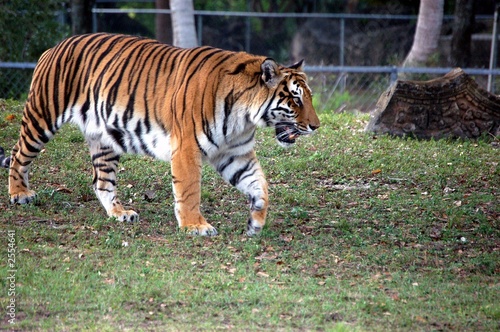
(298, 65)
(271, 74)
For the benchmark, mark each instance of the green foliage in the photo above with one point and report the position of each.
(331, 103)
(229, 5)
(28, 28)
(147, 20)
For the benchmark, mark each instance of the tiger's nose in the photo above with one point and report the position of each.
(313, 127)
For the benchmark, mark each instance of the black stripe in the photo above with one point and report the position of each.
(199, 145)
(228, 105)
(237, 176)
(118, 137)
(207, 130)
(31, 149)
(113, 182)
(40, 131)
(85, 108)
(248, 175)
(241, 67)
(27, 155)
(244, 142)
(107, 190)
(100, 154)
(115, 158)
(229, 102)
(144, 147)
(129, 109)
(223, 166)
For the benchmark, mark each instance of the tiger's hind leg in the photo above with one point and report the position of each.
(105, 162)
(34, 135)
(4, 161)
(19, 189)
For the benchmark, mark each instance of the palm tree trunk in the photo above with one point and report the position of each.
(425, 43)
(183, 23)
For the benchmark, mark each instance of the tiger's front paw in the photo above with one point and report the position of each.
(202, 230)
(126, 215)
(23, 197)
(253, 227)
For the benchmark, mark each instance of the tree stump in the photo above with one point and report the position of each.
(450, 106)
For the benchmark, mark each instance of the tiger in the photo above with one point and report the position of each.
(186, 106)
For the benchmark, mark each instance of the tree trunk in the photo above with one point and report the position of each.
(425, 42)
(163, 23)
(449, 106)
(81, 16)
(460, 54)
(183, 23)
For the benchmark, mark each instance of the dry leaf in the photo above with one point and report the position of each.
(436, 233)
(266, 256)
(109, 281)
(149, 195)
(63, 189)
(262, 274)
(287, 239)
(383, 196)
(448, 190)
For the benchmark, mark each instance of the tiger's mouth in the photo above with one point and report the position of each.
(287, 133)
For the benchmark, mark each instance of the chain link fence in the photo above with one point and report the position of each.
(15, 78)
(351, 59)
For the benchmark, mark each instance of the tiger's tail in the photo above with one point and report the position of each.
(4, 161)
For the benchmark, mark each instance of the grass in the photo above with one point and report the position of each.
(364, 234)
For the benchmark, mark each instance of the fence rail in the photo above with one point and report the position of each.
(18, 65)
(393, 70)
(336, 88)
(273, 15)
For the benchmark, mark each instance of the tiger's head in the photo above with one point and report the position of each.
(290, 110)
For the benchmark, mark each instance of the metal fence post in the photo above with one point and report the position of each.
(248, 28)
(394, 74)
(342, 42)
(94, 18)
(493, 51)
(199, 20)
